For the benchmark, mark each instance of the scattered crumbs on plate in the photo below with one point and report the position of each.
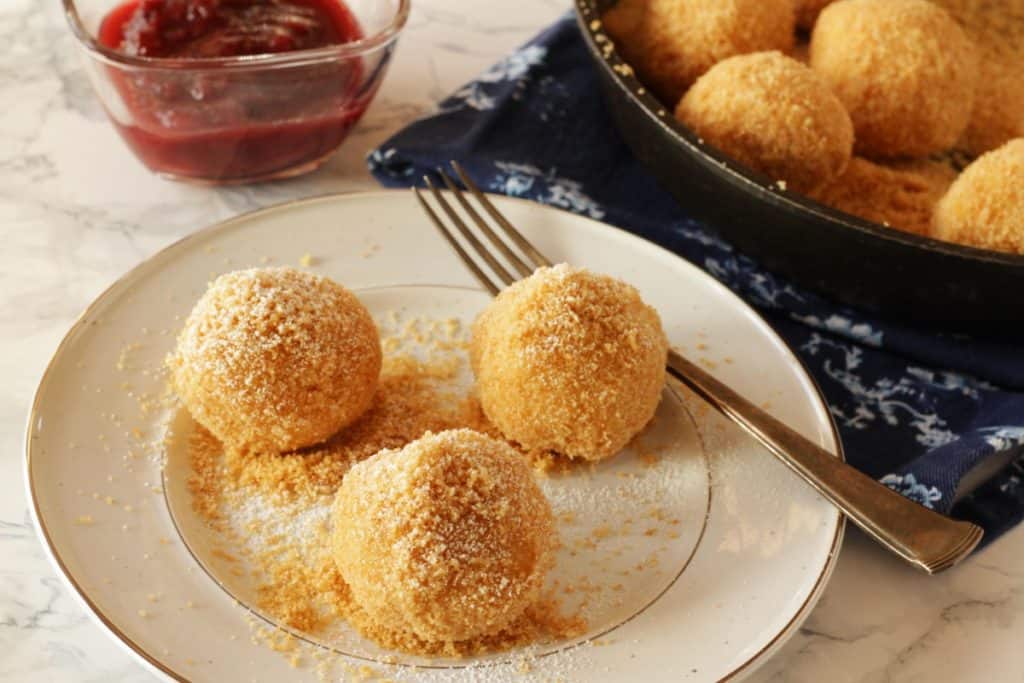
(307, 260)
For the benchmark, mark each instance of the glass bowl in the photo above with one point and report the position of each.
(239, 119)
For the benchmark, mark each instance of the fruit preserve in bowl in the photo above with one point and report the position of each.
(226, 91)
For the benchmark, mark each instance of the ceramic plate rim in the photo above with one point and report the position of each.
(153, 663)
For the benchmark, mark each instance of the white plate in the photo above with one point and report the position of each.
(751, 554)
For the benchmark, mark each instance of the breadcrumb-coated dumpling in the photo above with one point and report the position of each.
(904, 69)
(900, 198)
(276, 359)
(985, 206)
(671, 43)
(773, 114)
(569, 361)
(448, 538)
(998, 114)
(997, 29)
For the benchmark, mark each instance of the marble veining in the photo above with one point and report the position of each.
(77, 210)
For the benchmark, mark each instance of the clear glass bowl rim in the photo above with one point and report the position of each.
(354, 48)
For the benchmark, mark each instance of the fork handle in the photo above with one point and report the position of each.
(921, 536)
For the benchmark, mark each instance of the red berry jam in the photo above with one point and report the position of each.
(222, 123)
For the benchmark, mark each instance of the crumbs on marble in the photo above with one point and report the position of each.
(307, 260)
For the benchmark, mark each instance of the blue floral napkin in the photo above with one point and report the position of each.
(917, 409)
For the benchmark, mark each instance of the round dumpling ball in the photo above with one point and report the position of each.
(569, 361)
(984, 207)
(998, 115)
(276, 359)
(773, 114)
(904, 69)
(671, 43)
(448, 538)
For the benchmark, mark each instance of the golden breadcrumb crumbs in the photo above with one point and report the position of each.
(447, 539)
(997, 29)
(671, 43)
(901, 197)
(569, 361)
(904, 69)
(298, 583)
(274, 359)
(773, 114)
(985, 206)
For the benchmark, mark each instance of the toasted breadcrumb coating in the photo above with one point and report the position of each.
(569, 361)
(898, 197)
(671, 43)
(997, 28)
(985, 206)
(448, 538)
(773, 114)
(904, 69)
(276, 359)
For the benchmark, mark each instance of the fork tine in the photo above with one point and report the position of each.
(512, 257)
(470, 263)
(532, 252)
(480, 249)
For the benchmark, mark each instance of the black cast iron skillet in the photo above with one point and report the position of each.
(899, 275)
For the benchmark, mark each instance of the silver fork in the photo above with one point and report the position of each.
(922, 537)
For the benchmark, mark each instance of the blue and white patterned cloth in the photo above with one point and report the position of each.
(916, 408)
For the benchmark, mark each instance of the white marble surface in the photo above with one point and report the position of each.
(77, 210)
